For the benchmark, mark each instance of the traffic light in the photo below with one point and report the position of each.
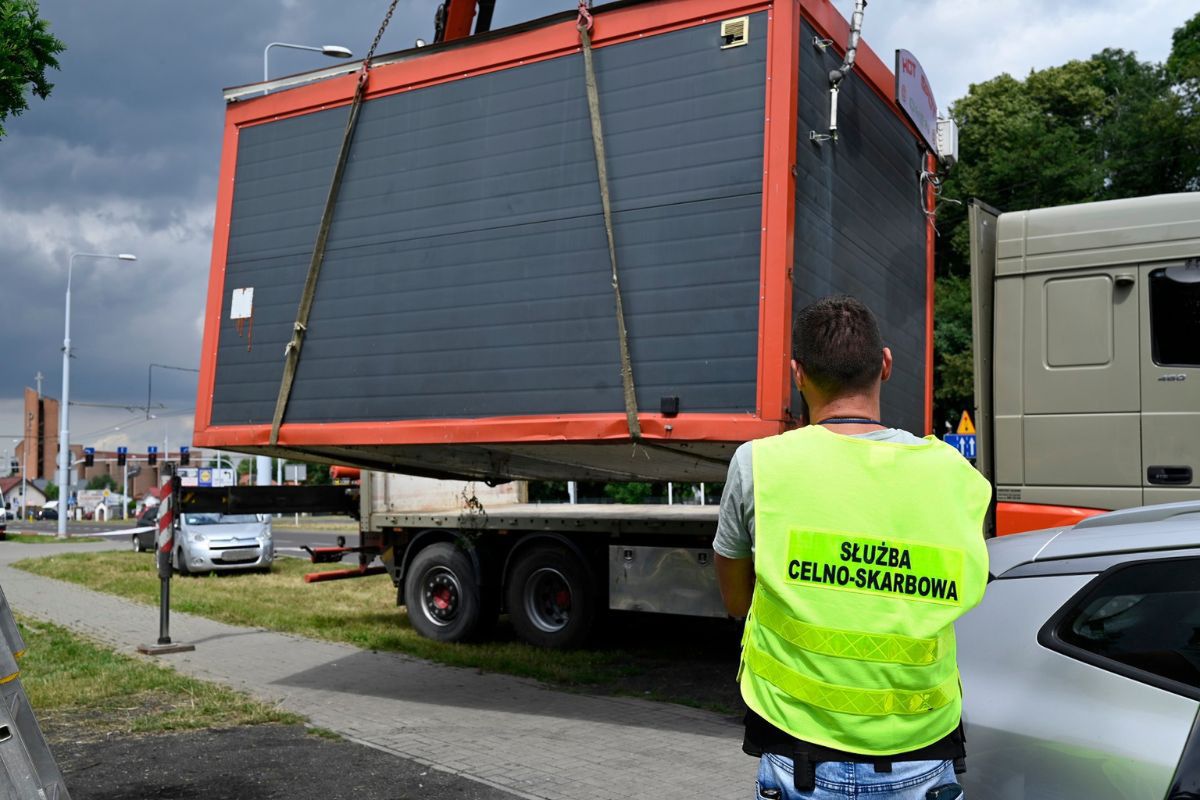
(121, 453)
(185, 456)
(152, 455)
(89, 456)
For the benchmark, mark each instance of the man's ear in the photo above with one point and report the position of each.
(797, 375)
(887, 364)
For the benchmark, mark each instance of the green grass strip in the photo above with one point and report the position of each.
(90, 687)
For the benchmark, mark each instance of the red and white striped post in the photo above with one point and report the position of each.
(166, 545)
(168, 524)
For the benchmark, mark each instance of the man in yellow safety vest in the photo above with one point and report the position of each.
(851, 547)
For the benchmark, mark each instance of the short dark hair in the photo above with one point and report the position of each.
(836, 340)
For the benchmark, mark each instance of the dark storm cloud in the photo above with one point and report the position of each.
(124, 157)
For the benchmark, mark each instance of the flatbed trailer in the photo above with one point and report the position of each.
(552, 567)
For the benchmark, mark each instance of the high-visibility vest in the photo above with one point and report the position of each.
(866, 553)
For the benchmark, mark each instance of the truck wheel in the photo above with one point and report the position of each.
(442, 594)
(550, 598)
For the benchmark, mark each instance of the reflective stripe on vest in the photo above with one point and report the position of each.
(894, 649)
(846, 699)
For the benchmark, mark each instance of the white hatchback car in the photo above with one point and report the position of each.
(209, 542)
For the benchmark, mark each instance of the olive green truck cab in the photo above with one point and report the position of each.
(1087, 356)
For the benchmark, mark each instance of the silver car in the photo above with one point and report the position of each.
(209, 542)
(1081, 668)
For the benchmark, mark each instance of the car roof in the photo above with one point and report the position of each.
(1170, 526)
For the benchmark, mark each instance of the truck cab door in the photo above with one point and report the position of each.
(1081, 398)
(1170, 385)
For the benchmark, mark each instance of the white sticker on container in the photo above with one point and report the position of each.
(242, 304)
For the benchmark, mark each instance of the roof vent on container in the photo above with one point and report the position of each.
(735, 32)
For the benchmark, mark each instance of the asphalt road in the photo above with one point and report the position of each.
(51, 526)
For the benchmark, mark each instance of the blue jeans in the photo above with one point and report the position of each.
(837, 780)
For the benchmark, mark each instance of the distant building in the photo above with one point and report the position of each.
(10, 488)
(40, 429)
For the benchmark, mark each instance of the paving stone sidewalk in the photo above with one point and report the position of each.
(510, 733)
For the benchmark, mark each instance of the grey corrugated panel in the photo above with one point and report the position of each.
(859, 225)
(27, 757)
(467, 272)
(473, 176)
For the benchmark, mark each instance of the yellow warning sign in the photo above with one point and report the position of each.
(965, 425)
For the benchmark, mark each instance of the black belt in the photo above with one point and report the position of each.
(763, 737)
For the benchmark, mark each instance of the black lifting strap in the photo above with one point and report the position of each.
(291, 353)
(593, 99)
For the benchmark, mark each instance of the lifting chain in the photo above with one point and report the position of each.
(382, 27)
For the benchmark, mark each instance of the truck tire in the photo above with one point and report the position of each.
(551, 599)
(441, 593)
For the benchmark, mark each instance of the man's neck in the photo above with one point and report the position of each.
(848, 407)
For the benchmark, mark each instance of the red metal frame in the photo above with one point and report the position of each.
(930, 246)
(779, 211)
(613, 26)
(459, 15)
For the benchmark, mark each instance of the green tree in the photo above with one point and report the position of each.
(27, 50)
(51, 491)
(1103, 128)
(954, 389)
(630, 493)
(1183, 70)
(317, 475)
(102, 482)
(1184, 61)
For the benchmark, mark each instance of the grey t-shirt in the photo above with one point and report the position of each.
(735, 525)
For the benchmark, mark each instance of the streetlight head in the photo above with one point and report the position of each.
(336, 51)
(127, 257)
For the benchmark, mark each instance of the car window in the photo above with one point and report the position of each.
(1175, 315)
(1139, 619)
(219, 519)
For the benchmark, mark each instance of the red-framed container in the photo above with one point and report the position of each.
(834, 216)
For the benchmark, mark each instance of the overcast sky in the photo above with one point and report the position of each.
(123, 158)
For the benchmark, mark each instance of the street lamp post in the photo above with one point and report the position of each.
(64, 434)
(331, 50)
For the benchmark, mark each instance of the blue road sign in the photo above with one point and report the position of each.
(963, 442)
(90, 451)
(151, 449)
(121, 451)
(185, 449)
